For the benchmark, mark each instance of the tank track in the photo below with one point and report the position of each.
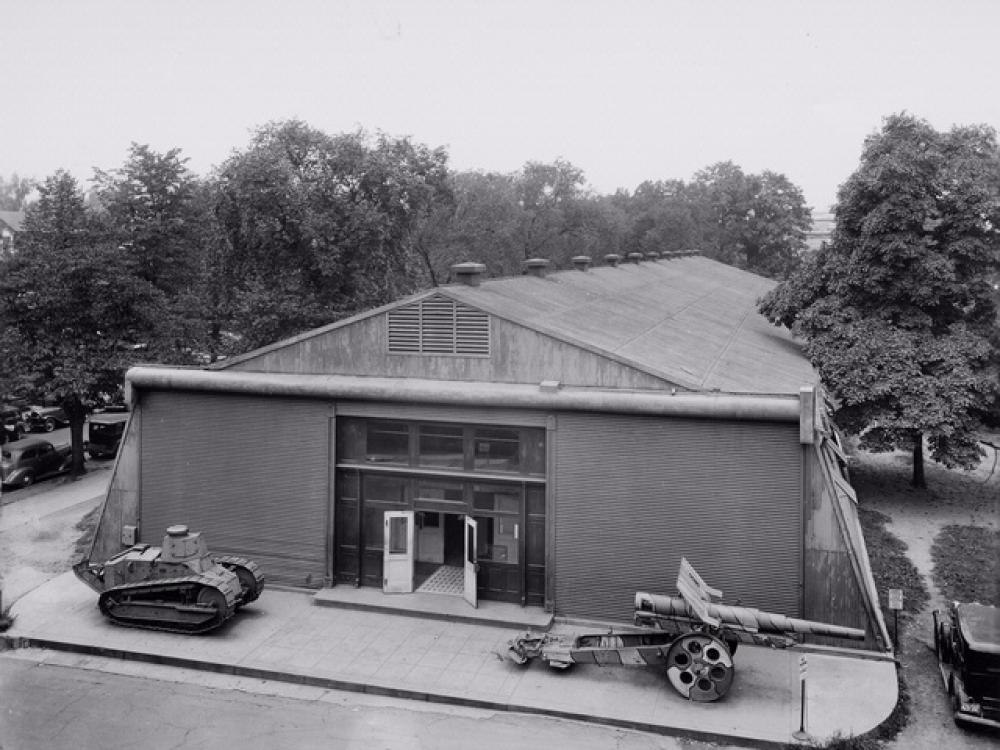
(251, 568)
(154, 603)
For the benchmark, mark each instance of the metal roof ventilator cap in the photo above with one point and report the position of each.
(612, 259)
(581, 262)
(469, 274)
(635, 257)
(536, 266)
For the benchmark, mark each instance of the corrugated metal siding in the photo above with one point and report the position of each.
(251, 473)
(635, 494)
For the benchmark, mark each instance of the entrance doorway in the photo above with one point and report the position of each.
(454, 544)
(510, 512)
(431, 552)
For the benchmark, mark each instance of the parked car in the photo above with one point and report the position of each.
(967, 640)
(105, 434)
(25, 462)
(13, 426)
(46, 418)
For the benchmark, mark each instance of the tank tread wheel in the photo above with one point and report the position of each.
(248, 572)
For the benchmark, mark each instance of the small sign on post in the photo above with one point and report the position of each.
(896, 604)
(802, 734)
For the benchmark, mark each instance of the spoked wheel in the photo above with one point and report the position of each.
(700, 667)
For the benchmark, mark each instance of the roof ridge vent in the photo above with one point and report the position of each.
(581, 262)
(536, 266)
(612, 259)
(469, 274)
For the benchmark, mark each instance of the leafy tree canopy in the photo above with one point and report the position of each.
(147, 206)
(898, 312)
(75, 311)
(757, 222)
(318, 226)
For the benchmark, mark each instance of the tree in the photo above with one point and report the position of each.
(159, 214)
(148, 208)
(75, 310)
(756, 222)
(317, 227)
(897, 311)
(547, 196)
(59, 218)
(662, 218)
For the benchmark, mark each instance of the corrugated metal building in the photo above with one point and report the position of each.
(560, 439)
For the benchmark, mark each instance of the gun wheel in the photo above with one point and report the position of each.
(700, 667)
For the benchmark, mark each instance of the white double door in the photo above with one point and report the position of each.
(399, 553)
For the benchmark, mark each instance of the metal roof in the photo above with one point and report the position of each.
(689, 320)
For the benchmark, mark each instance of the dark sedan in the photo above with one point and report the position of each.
(106, 432)
(46, 418)
(26, 461)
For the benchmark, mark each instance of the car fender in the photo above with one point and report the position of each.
(14, 478)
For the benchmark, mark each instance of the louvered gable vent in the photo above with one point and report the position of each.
(438, 325)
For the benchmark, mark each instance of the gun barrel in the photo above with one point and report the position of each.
(742, 618)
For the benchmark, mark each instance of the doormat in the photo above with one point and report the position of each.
(447, 579)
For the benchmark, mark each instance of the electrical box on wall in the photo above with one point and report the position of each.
(128, 535)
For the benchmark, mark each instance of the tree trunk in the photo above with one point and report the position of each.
(919, 481)
(76, 410)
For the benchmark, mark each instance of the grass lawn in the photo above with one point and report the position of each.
(967, 564)
(891, 567)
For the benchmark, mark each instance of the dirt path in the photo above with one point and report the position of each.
(966, 498)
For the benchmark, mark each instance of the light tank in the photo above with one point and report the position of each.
(179, 588)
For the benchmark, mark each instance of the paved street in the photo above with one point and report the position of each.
(51, 702)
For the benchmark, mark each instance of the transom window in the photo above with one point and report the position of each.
(441, 446)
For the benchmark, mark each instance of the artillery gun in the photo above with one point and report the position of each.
(693, 635)
(180, 588)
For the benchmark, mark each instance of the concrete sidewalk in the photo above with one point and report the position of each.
(285, 636)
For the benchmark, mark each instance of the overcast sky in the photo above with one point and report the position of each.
(626, 91)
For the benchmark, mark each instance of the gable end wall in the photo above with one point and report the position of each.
(519, 355)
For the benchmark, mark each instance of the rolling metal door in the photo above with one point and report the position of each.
(251, 473)
(635, 494)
